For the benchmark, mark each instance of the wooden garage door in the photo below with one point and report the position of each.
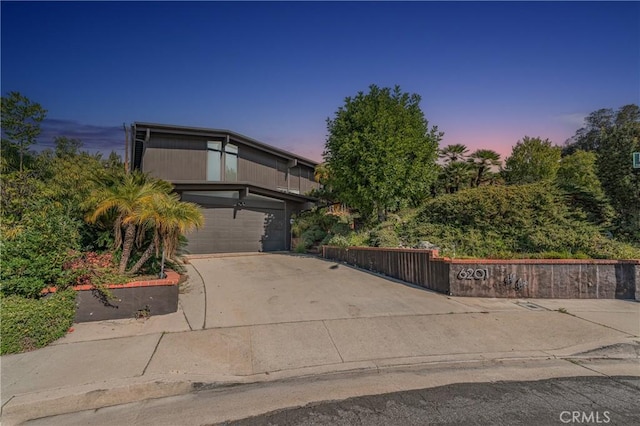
(229, 230)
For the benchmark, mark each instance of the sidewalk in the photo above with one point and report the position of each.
(113, 362)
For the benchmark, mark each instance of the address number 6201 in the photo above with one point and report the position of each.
(473, 274)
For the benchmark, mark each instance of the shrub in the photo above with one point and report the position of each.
(384, 236)
(315, 227)
(510, 221)
(28, 324)
(338, 241)
(92, 268)
(33, 257)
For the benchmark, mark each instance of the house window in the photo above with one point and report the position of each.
(231, 162)
(214, 161)
(217, 163)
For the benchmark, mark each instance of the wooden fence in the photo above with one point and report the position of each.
(420, 267)
(510, 278)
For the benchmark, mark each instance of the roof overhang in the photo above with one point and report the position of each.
(242, 187)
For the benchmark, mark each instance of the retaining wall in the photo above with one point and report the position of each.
(534, 278)
(131, 300)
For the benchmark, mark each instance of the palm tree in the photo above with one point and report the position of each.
(453, 153)
(169, 218)
(455, 174)
(124, 197)
(321, 173)
(483, 160)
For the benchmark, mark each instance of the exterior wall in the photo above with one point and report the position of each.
(548, 279)
(184, 158)
(175, 159)
(526, 278)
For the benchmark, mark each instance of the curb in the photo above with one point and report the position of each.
(52, 402)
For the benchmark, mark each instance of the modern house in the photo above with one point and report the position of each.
(248, 190)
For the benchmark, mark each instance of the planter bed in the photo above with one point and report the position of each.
(136, 299)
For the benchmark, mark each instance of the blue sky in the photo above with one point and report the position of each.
(489, 73)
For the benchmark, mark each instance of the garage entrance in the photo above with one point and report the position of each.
(256, 224)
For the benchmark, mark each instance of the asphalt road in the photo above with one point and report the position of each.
(575, 400)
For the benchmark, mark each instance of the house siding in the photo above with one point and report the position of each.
(175, 159)
(184, 158)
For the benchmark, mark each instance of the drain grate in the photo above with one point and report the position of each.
(531, 306)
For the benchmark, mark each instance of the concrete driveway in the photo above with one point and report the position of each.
(283, 288)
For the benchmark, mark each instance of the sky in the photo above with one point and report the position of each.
(488, 73)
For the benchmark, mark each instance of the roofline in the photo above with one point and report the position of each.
(203, 131)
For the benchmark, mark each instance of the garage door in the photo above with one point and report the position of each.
(233, 230)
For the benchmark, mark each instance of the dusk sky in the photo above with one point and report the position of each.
(489, 73)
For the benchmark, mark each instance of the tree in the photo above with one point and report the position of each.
(619, 180)
(532, 160)
(613, 137)
(597, 123)
(456, 174)
(381, 152)
(169, 218)
(66, 147)
(127, 199)
(483, 160)
(21, 120)
(452, 153)
(577, 176)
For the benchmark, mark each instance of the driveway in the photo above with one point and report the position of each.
(283, 288)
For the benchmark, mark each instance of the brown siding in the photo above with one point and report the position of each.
(256, 167)
(281, 177)
(176, 159)
(307, 181)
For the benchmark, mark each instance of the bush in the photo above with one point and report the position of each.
(29, 324)
(315, 227)
(33, 258)
(384, 236)
(92, 269)
(510, 221)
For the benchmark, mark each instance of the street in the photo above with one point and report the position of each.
(574, 400)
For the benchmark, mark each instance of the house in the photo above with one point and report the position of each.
(248, 190)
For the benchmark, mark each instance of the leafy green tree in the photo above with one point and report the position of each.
(21, 120)
(532, 160)
(381, 152)
(483, 160)
(67, 147)
(599, 123)
(579, 170)
(577, 176)
(619, 180)
(613, 136)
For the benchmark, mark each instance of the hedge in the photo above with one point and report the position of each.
(29, 324)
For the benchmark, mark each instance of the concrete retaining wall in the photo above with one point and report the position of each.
(131, 300)
(544, 278)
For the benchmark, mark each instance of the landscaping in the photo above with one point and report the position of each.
(579, 201)
(71, 218)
